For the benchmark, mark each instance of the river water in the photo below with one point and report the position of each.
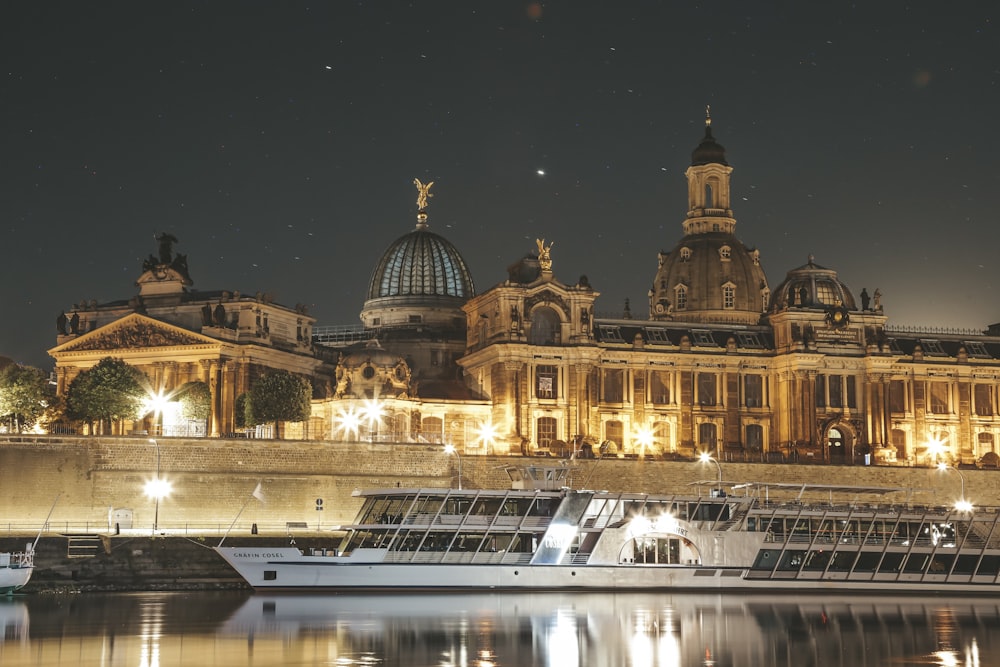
(494, 630)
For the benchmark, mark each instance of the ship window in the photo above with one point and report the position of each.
(867, 561)
(817, 560)
(916, 563)
(990, 566)
(842, 561)
(792, 560)
(940, 563)
(270, 575)
(891, 562)
(766, 558)
(966, 564)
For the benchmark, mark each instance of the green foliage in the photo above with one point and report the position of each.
(110, 391)
(196, 401)
(25, 396)
(280, 396)
(244, 412)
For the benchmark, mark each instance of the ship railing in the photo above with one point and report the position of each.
(516, 558)
(17, 559)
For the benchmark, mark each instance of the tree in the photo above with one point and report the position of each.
(244, 411)
(25, 396)
(280, 396)
(110, 391)
(196, 401)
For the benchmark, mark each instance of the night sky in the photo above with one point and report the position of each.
(279, 142)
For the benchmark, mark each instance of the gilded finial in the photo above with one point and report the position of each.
(708, 115)
(544, 256)
(423, 193)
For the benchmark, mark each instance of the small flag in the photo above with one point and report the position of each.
(258, 494)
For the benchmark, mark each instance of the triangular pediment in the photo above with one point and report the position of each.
(132, 332)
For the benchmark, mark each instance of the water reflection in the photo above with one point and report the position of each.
(550, 630)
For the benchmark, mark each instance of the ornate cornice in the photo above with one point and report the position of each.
(135, 334)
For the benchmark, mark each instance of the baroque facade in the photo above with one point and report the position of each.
(720, 363)
(723, 364)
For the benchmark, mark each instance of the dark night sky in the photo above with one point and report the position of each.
(279, 142)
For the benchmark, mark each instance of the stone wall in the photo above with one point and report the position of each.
(213, 480)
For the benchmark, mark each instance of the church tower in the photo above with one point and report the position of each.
(710, 276)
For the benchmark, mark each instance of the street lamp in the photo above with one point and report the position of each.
(157, 488)
(705, 457)
(450, 449)
(962, 505)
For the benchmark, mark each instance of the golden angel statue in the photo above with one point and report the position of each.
(544, 257)
(423, 193)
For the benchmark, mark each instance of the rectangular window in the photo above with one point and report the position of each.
(615, 432)
(753, 391)
(546, 382)
(897, 396)
(659, 387)
(820, 391)
(755, 437)
(706, 436)
(546, 431)
(614, 383)
(657, 335)
(836, 391)
(610, 333)
(984, 400)
(706, 389)
(939, 398)
(852, 392)
(702, 337)
(976, 349)
(931, 347)
(435, 358)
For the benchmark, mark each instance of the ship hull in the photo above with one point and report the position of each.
(288, 569)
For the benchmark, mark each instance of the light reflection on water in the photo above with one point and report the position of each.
(496, 630)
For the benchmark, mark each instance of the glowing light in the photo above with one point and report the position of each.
(372, 411)
(155, 403)
(348, 422)
(639, 525)
(935, 447)
(158, 488)
(644, 436)
(487, 434)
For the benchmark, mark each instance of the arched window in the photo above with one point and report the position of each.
(729, 296)
(544, 327)
(681, 297)
(709, 196)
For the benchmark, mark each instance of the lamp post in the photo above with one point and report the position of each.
(962, 505)
(705, 457)
(450, 449)
(157, 488)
